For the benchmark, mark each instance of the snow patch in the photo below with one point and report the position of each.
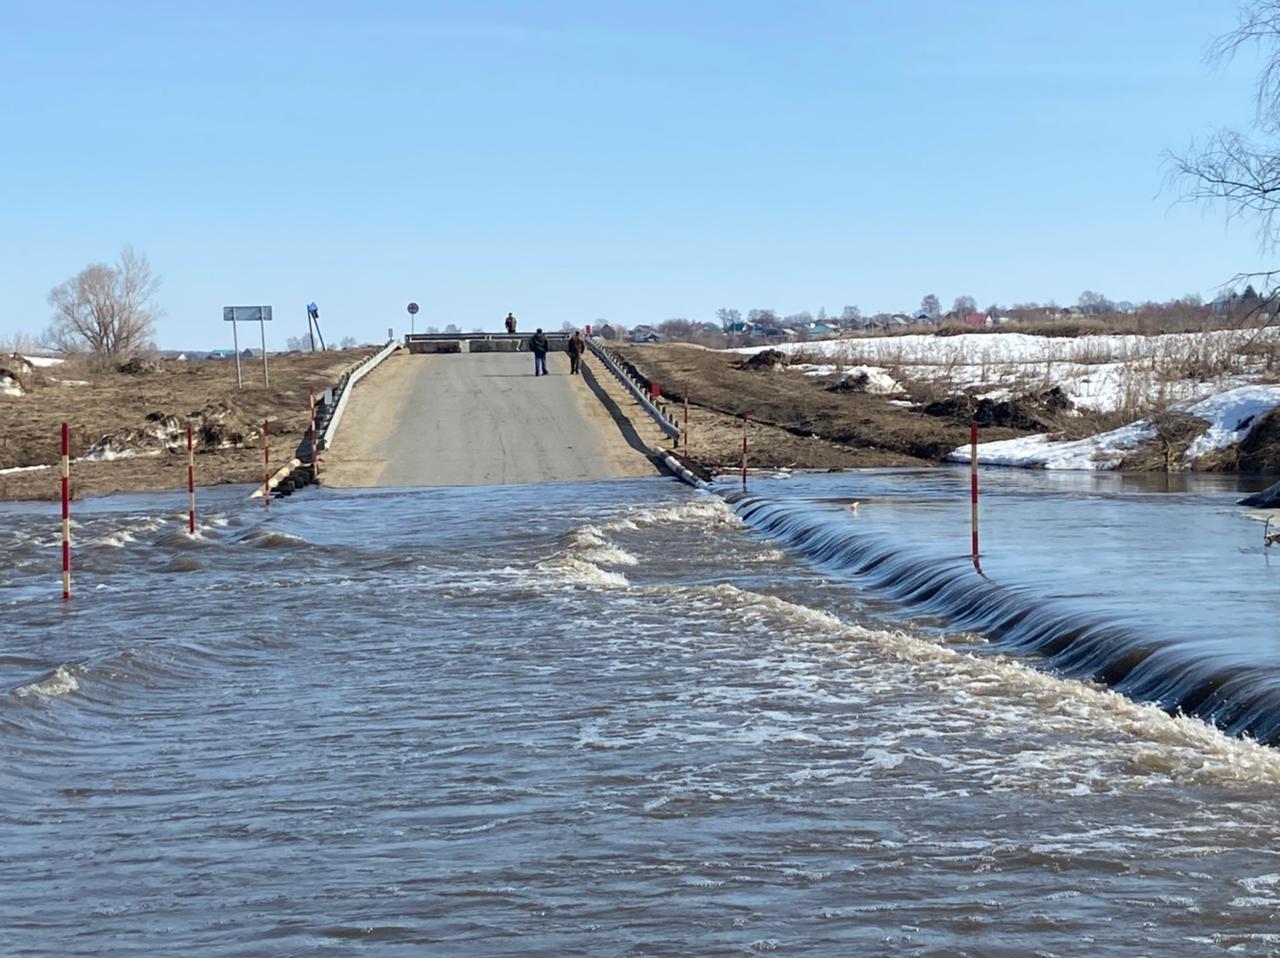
(1230, 416)
(1103, 451)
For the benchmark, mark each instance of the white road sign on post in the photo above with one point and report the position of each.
(248, 314)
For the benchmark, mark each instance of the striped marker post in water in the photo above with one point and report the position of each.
(66, 513)
(266, 464)
(686, 420)
(744, 452)
(973, 484)
(191, 483)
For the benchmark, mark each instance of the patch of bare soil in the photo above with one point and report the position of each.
(1175, 432)
(128, 429)
(796, 420)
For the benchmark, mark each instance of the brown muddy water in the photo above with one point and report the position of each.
(617, 719)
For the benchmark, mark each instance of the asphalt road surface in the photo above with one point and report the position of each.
(477, 419)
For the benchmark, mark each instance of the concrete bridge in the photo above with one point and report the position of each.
(463, 410)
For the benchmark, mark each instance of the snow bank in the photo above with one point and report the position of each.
(1103, 451)
(879, 381)
(1105, 373)
(9, 386)
(1230, 416)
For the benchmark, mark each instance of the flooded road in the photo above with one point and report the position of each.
(612, 718)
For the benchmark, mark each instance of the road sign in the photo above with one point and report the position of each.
(413, 308)
(246, 314)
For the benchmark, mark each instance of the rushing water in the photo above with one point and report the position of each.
(615, 719)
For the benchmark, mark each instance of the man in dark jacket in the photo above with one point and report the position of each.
(510, 322)
(538, 345)
(577, 346)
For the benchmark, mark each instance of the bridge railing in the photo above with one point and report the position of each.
(503, 342)
(337, 398)
(612, 363)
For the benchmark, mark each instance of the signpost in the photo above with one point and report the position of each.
(248, 314)
(413, 312)
(313, 325)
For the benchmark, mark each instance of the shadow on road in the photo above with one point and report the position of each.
(623, 423)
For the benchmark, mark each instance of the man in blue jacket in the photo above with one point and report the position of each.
(538, 345)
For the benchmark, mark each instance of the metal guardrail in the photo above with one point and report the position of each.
(665, 423)
(343, 391)
(557, 340)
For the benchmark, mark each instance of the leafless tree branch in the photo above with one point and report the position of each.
(106, 310)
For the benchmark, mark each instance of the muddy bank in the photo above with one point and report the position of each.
(128, 429)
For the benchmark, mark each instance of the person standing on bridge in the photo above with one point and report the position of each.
(510, 322)
(577, 346)
(539, 346)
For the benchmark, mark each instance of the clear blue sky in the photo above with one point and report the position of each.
(637, 161)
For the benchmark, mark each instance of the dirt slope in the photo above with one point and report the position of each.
(796, 420)
(143, 413)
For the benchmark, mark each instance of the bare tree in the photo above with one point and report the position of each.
(106, 310)
(1095, 304)
(348, 342)
(964, 305)
(1240, 169)
(728, 318)
(679, 329)
(295, 344)
(930, 306)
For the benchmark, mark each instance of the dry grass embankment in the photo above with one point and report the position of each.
(797, 420)
(136, 423)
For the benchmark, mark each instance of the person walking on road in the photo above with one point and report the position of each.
(510, 322)
(538, 345)
(577, 346)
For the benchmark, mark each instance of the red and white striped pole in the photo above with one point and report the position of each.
(191, 483)
(266, 465)
(315, 450)
(686, 420)
(973, 484)
(744, 452)
(66, 513)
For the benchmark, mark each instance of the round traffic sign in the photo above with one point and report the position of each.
(413, 308)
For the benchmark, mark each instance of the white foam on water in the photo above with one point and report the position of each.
(568, 570)
(705, 510)
(590, 544)
(61, 681)
(116, 540)
(1006, 696)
